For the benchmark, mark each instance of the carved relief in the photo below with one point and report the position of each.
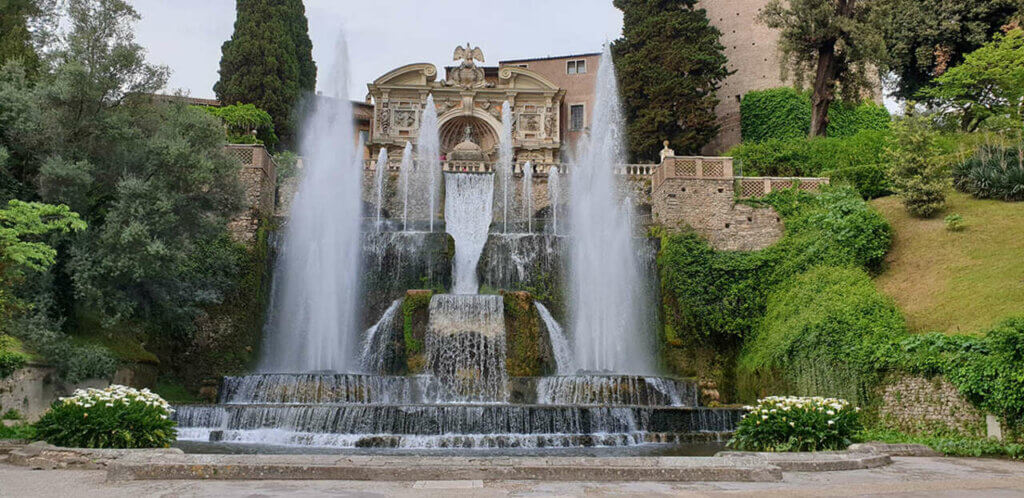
(530, 123)
(384, 120)
(550, 127)
(405, 118)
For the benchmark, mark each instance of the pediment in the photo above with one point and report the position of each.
(522, 78)
(418, 74)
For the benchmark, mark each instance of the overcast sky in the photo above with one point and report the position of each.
(186, 35)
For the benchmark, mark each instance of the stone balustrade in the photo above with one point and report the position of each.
(760, 186)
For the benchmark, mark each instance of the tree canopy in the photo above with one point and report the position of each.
(832, 43)
(924, 38)
(670, 65)
(268, 61)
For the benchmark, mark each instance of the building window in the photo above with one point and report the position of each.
(576, 117)
(576, 67)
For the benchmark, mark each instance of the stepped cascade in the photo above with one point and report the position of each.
(387, 331)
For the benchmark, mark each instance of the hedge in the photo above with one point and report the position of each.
(859, 160)
(785, 114)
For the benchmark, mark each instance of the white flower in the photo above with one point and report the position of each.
(831, 422)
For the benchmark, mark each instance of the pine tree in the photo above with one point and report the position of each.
(670, 64)
(268, 61)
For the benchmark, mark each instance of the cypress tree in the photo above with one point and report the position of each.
(670, 64)
(268, 61)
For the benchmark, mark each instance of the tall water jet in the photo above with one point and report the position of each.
(428, 157)
(381, 171)
(554, 186)
(605, 287)
(405, 172)
(528, 195)
(467, 213)
(505, 164)
(316, 278)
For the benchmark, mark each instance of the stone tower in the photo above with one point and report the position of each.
(752, 49)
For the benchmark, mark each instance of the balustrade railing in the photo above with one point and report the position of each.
(759, 186)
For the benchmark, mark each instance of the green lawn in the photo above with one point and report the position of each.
(956, 281)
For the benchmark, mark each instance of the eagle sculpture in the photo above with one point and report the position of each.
(468, 55)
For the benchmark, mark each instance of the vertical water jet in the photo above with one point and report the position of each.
(405, 173)
(379, 173)
(528, 195)
(605, 290)
(505, 162)
(428, 157)
(554, 184)
(312, 325)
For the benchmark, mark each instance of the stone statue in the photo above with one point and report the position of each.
(467, 134)
(467, 74)
(666, 152)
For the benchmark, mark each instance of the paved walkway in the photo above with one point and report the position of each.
(922, 477)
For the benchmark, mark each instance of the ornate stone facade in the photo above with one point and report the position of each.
(470, 96)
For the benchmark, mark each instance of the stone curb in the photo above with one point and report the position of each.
(305, 467)
(821, 461)
(909, 450)
(40, 455)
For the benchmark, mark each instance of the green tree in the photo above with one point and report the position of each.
(268, 60)
(989, 82)
(670, 64)
(918, 174)
(924, 38)
(24, 24)
(833, 42)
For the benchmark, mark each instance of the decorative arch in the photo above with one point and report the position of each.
(485, 127)
(417, 74)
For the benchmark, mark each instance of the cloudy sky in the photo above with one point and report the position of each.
(186, 35)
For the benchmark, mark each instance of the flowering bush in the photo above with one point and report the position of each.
(115, 417)
(797, 424)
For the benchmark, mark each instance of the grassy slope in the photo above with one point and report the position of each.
(956, 282)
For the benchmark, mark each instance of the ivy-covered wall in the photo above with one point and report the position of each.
(785, 114)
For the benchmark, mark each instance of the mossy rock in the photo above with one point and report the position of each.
(415, 315)
(528, 347)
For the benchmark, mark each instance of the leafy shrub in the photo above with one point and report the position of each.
(992, 173)
(918, 171)
(785, 114)
(115, 417)
(992, 375)
(859, 160)
(847, 120)
(947, 444)
(797, 424)
(719, 296)
(777, 113)
(824, 332)
(10, 360)
(954, 223)
(246, 124)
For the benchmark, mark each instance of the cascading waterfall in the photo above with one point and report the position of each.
(316, 277)
(428, 157)
(565, 362)
(466, 346)
(554, 184)
(405, 173)
(504, 166)
(528, 195)
(467, 214)
(605, 289)
(375, 341)
(380, 173)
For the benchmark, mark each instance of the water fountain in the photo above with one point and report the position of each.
(505, 163)
(528, 195)
(428, 158)
(606, 291)
(404, 179)
(379, 175)
(366, 350)
(554, 184)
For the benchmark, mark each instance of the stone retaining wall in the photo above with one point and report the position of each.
(707, 205)
(917, 404)
(32, 389)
